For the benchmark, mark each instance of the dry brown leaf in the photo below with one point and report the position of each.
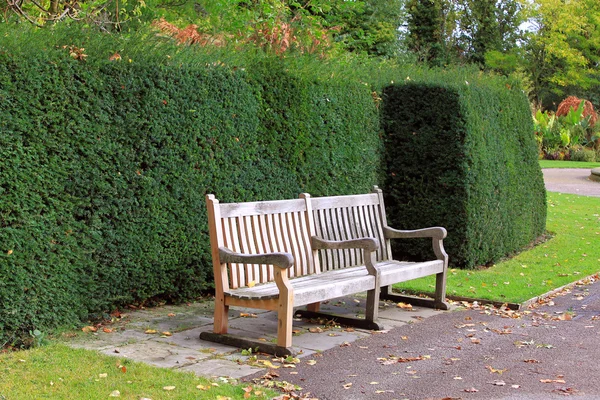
(150, 331)
(495, 371)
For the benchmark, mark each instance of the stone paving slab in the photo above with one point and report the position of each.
(182, 349)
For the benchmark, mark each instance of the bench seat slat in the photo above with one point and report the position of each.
(313, 288)
(402, 271)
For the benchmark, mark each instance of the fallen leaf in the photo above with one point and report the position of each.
(494, 370)
(471, 390)
(168, 388)
(315, 330)
(348, 385)
(202, 387)
(251, 284)
(475, 341)
(268, 364)
(115, 393)
(515, 386)
(107, 330)
(552, 380)
(171, 315)
(498, 383)
(531, 361)
(167, 334)
(248, 315)
(88, 329)
(102, 375)
(373, 383)
(311, 362)
(409, 359)
(150, 331)
(405, 306)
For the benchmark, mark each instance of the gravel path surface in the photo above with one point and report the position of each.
(571, 180)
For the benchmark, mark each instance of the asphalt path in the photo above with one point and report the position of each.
(546, 352)
(549, 351)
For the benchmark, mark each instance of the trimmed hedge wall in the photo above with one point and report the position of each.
(104, 167)
(463, 156)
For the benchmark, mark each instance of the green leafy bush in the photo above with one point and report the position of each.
(556, 135)
(105, 165)
(461, 154)
(582, 154)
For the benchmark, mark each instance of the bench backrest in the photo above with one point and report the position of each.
(350, 217)
(255, 228)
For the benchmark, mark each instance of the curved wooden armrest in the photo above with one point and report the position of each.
(434, 233)
(281, 260)
(369, 244)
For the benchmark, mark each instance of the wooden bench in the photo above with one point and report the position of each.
(277, 255)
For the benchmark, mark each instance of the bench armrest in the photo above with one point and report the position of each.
(281, 260)
(437, 235)
(369, 244)
(434, 233)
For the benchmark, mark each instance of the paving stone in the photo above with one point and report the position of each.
(158, 354)
(326, 340)
(190, 339)
(219, 367)
(101, 340)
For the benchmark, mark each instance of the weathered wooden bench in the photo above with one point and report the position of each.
(277, 255)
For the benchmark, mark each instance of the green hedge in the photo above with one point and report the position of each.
(461, 154)
(104, 167)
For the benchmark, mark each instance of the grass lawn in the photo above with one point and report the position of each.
(56, 371)
(573, 253)
(568, 164)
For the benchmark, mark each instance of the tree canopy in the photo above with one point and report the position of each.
(552, 45)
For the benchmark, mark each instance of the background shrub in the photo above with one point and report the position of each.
(461, 154)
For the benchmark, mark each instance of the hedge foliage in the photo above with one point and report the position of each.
(461, 154)
(105, 164)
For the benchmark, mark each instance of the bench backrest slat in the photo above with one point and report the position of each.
(263, 227)
(350, 217)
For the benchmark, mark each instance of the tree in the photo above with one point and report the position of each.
(560, 51)
(487, 25)
(427, 30)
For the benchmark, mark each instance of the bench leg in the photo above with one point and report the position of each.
(372, 310)
(314, 307)
(221, 316)
(440, 292)
(285, 314)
